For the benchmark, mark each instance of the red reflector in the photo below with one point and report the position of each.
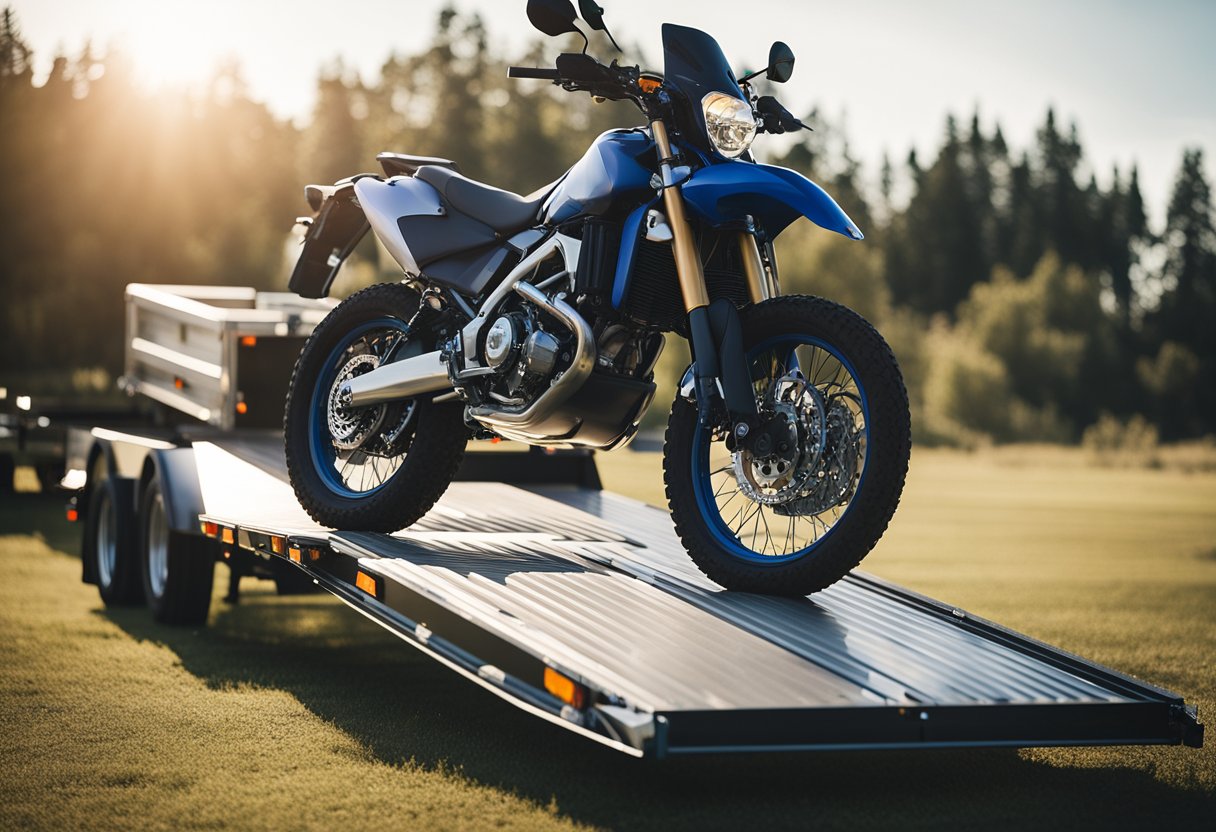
(73, 515)
(211, 529)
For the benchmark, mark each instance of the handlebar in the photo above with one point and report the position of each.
(539, 73)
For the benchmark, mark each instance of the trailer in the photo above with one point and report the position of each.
(580, 607)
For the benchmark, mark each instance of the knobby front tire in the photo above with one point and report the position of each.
(842, 537)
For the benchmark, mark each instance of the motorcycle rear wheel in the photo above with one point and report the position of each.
(795, 525)
(398, 458)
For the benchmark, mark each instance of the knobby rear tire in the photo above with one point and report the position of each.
(434, 454)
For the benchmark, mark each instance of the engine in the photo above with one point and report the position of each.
(527, 352)
(521, 353)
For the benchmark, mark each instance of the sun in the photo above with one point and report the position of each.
(174, 44)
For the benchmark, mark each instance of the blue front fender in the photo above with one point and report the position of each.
(775, 196)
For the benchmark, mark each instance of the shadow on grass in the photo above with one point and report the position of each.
(405, 707)
(42, 515)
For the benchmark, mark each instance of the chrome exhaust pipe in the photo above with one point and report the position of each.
(426, 373)
(518, 421)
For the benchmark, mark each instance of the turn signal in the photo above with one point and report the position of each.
(649, 84)
(366, 583)
(565, 688)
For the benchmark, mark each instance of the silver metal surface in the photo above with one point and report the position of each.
(599, 584)
(426, 373)
(519, 422)
(158, 547)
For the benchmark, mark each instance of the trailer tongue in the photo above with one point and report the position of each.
(580, 606)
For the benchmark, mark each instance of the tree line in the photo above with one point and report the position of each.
(1023, 298)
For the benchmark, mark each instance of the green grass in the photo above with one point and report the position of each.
(297, 713)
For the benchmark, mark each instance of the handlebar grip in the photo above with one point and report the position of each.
(532, 72)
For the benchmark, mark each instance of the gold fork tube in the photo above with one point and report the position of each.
(758, 286)
(683, 244)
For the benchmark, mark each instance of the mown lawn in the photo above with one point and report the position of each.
(297, 713)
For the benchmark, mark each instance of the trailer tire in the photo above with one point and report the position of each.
(110, 543)
(8, 469)
(177, 569)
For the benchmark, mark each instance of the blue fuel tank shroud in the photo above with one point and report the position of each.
(613, 168)
(732, 191)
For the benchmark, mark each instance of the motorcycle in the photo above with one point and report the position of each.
(540, 319)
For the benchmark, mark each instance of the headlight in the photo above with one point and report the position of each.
(729, 122)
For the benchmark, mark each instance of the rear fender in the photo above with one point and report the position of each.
(774, 196)
(332, 235)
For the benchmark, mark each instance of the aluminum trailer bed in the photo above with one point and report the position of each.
(581, 607)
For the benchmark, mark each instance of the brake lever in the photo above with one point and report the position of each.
(777, 119)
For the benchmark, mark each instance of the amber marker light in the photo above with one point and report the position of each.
(249, 341)
(565, 688)
(278, 544)
(227, 536)
(649, 84)
(242, 408)
(294, 554)
(366, 583)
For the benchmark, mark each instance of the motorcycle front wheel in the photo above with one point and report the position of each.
(377, 468)
(793, 515)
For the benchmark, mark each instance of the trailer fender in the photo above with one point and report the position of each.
(179, 486)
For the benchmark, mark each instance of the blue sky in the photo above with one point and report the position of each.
(1139, 78)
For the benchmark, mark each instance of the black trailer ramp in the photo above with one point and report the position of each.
(580, 606)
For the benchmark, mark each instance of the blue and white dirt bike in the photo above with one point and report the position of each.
(540, 318)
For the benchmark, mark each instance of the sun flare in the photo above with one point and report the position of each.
(174, 44)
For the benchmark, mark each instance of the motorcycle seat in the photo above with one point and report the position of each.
(503, 211)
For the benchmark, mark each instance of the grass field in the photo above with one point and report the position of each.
(296, 713)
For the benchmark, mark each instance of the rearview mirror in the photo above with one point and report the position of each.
(593, 13)
(553, 17)
(780, 63)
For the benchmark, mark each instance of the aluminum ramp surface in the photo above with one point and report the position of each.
(501, 583)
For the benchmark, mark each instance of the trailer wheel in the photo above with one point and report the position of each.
(8, 469)
(109, 542)
(178, 569)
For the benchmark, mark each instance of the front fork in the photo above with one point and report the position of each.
(720, 369)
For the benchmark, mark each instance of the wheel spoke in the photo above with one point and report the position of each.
(794, 375)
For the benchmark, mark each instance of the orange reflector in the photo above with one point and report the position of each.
(249, 341)
(294, 554)
(366, 583)
(649, 85)
(277, 545)
(73, 515)
(227, 536)
(179, 382)
(242, 408)
(565, 689)
(314, 554)
(210, 529)
(495, 440)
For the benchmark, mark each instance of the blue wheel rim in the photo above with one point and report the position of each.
(703, 487)
(323, 453)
